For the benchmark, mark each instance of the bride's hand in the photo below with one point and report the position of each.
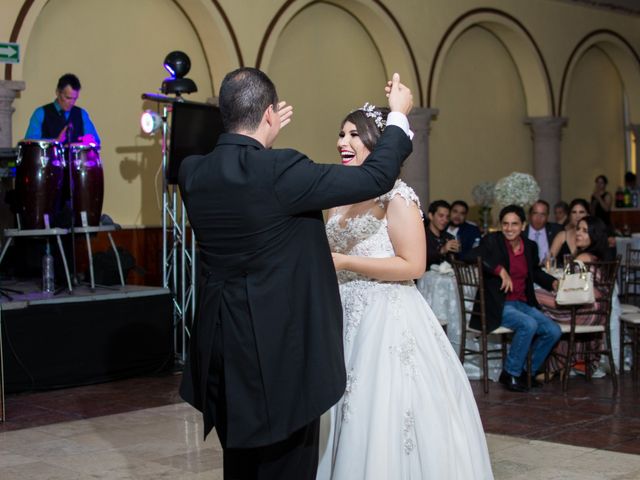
(285, 112)
(339, 261)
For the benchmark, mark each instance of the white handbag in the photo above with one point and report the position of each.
(575, 288)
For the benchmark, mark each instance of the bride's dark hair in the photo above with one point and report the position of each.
(366, 125)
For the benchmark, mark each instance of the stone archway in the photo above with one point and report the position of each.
(540, 112)
(622, 55)
(603, 103)
(389, 38)
(521, 45)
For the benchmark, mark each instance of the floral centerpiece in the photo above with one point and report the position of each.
(517, 189)
(483, 195)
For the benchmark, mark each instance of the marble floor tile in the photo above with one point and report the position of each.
(165, 443)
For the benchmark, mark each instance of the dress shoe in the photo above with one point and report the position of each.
(534, 383)
(512, 382)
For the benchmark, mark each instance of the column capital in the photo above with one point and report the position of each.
(11, 87)
(420, 118)
(8, 91)
(546, 126)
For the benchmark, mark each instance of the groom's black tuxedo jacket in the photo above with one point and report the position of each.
(269, 282)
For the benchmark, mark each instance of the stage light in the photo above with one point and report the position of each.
(177, 63)
(150, 122)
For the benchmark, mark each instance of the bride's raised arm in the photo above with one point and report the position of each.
(407, 235)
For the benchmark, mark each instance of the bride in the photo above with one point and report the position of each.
(408, 411)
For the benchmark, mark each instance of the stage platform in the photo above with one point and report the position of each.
(69, 339)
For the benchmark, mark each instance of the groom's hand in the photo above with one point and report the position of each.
(285, 112)
(400, 97)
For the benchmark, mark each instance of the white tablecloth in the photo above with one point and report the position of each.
(623, 242)
(441, 293)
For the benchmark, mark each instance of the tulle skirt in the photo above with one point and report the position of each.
(408, 411)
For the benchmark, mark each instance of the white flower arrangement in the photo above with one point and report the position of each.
(517, 189)
(483, 194)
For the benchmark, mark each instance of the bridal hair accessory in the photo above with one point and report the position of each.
(371, 112)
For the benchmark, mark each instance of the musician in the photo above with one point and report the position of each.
(61, 119)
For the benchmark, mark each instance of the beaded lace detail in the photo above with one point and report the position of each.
(366, 235)
(408, 432)
(352, 383)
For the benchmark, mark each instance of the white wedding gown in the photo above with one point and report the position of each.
(408, 411)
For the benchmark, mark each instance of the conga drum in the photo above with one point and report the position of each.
(39, 172)
(88, 182)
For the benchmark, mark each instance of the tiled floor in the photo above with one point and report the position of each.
(139, 429)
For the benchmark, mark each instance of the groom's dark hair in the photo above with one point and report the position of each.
(245, 94)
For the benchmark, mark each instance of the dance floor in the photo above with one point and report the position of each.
(140, 429)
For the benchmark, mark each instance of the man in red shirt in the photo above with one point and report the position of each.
(511, 268)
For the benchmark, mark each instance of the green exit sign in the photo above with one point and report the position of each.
(9, 53)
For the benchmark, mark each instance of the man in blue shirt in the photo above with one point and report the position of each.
(62, 120)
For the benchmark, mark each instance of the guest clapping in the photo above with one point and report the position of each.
(440, 244)
(467, 233)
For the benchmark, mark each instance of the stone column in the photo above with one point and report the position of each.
(415, 171)
(635, 128)
(8, 91)
(546, 133)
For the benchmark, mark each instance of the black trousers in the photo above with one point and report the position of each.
(295, 457)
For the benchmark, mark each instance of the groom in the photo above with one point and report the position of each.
(266, 356)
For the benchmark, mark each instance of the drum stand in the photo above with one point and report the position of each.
(11, 233)
(74, 275)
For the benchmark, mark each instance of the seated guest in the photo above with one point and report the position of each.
(565, 242)
(540, 230)
(591, 242)
(439, 243)
(561, 212)
(511, 267)
(467, 234)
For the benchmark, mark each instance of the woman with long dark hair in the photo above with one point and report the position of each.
(592, 246)
(408, 411)
(564, 243)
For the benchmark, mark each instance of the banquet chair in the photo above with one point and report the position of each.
(470, 281)
(604, 280)
(630, 279)
(630, 336)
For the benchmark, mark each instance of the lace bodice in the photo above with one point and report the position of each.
(366, 235)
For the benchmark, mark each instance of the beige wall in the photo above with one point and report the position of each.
(479, 134)
(328, 57)
(593, 142)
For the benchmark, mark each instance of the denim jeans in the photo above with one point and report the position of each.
(529, 325)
